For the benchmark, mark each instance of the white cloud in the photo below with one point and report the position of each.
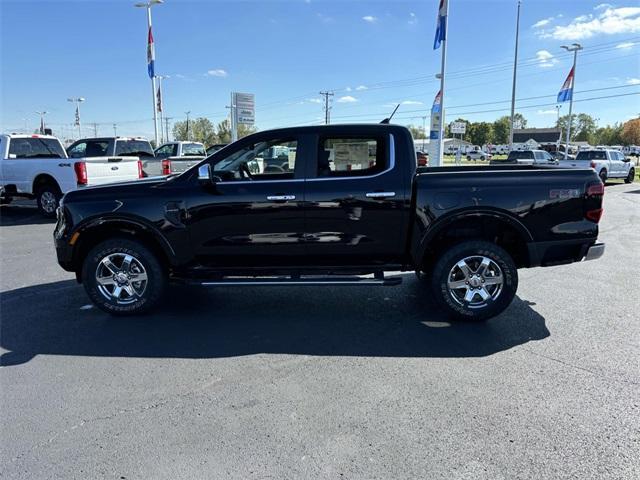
(625, 45)
(179, 75)
(546, 59)
(412, 102)
(347, 99)
(547, 112)
(542, 23)
(370, 19)
(609, 21)
(633, 81)
(412, 19)
(348, 89)
(359, 88)
(218, 72)
(314, 100)
(602, 6)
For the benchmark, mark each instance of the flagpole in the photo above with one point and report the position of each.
(160, 104)
(513, 89)
(443, 64)
(573, 48)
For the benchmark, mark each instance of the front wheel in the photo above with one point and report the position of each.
(631, 176)
(123, 277)
(474, 280)
(603, 175)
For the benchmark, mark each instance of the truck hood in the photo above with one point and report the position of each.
(116, 191)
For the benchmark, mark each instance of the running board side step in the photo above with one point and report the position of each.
(288, 281)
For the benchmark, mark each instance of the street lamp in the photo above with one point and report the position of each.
(574, 47)
(42, 114)
(77, 101)
(160, 103)
(151, 59)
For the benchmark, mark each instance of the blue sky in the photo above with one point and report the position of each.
(372, 54)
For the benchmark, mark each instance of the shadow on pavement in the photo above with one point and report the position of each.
(17, 215)
(402, 321)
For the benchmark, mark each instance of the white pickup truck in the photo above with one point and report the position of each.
(607, 163)
(37, 167)
(174, 157)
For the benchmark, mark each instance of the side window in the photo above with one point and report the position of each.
(349, 157)
(78, 151)
(267, 160)
(173, 150)
(96, 148)
(164, 152)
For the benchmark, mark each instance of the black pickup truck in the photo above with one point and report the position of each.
(347, 205)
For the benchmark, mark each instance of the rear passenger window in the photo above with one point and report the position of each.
(349, 157)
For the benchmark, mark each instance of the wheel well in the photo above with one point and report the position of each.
(481, 227)
(95, 235)
(43, 179)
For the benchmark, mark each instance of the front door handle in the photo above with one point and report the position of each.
(281, 198)
(381, 194)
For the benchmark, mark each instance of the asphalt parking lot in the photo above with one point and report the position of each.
(322, 383)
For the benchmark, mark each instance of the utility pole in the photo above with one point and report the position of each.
(151, 58)
(166, 125)
(575, 47)
(42, 114)
(115, 130)
(443, 22)
(424, 131)
(95, 130)
(77, 101)
(558, 107)
(232, 123)
(513, 88)
(187, 113)
(327, 106)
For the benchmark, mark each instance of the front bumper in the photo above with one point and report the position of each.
(64, 251)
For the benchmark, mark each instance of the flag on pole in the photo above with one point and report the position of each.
(77, 116)
(566, 92)
(441, 23)
(437, 103)
(159, 99)
(151, 54)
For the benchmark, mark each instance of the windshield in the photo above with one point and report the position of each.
(523, 155)
(592, 155)
(193, 149)
(36, 147)
(138, 148)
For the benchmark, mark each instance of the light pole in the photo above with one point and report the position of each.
(115, 130)
(558, 107)
(513, 88)
(187, 114)
(42, 114)
(151, 60)
(574, 47)
(77, 101)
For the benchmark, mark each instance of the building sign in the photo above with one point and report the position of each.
(245, 108)
(458, 127)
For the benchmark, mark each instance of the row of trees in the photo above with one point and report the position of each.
(204, 131)
(583, 128)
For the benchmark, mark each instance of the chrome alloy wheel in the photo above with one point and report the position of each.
(48, 202)
(121, 278)
(475, 281)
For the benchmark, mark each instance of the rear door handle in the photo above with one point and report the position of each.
(280, 198)
(381, 194)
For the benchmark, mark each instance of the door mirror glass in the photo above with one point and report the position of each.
(204, 173)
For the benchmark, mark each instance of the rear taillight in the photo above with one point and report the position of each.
(140, 171)
(593, 164)
(166, 167)
(595, 191)
(81, 173)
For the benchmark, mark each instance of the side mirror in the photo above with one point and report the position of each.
(626, 159)
(204, 174)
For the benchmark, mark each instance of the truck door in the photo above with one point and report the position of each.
(252, 216)
(356, 212)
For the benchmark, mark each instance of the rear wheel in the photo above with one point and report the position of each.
(48, 198)
(474, 280)
(603, 175)
(631, 176)
(123, 277)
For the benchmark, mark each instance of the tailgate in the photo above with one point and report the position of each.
(101, 170)
(182, 164)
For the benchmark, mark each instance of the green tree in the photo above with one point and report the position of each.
(501, 130)
(480, 133)
(199, 130)
(583, 127)
(416, 132)
(224, 131)
(609, 135)
(519, 121)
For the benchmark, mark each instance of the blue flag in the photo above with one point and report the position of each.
(566, 92)
(441, 25)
